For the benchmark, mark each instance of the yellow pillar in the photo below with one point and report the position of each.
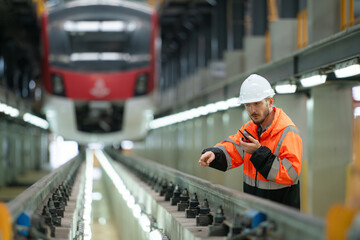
(5, 223)
(340, 217)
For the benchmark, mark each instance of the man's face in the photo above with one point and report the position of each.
(258, 111)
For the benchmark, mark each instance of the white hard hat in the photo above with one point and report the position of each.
(254, 89)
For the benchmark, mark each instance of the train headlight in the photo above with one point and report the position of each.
(57, 84)
(141, 84)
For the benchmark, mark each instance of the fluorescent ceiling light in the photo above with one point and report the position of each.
(211, 107)
(221, 105)
(203, 110)
(232, 102)
(356, 93)
(347, 69)
(312, 80)
(285, 88)
(8, 110)
(357, 112)
(34, 120)
(193, 113)
(187, 115)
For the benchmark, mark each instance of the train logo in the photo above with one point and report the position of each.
(99, 90)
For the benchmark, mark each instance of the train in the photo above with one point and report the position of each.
(99, 69)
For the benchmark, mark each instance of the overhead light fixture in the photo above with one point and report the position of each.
(221, 105)
(285, 88)
(347, 69)
(312, 79)
(34, 120)
(232, 102)
(194, 113)
(8, 110)
(211, 107)
(356, 112)
(356, 93)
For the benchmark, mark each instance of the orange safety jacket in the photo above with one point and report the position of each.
(273, 170)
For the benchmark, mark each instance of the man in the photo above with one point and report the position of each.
(272, 157)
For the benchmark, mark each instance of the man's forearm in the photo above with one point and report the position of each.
(219, 162)
(262, 159)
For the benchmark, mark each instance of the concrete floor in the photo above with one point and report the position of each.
(102, 226)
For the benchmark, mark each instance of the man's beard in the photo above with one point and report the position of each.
(260, 121)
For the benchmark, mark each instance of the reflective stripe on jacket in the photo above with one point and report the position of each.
(273, 170)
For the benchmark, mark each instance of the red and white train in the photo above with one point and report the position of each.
(99, 69)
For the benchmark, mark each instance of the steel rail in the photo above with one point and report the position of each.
(290, 223)
(36, 194)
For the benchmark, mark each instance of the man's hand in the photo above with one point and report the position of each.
(206, 158)
(250, 147)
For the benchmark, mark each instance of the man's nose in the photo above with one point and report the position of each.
(251, 109)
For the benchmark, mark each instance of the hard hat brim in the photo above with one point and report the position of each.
(252, 100)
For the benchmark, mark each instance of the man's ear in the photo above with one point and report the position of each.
(271, 101)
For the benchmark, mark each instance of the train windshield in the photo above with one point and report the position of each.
(88, 40)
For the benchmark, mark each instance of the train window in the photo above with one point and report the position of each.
(79, 43)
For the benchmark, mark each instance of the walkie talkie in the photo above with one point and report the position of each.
(245, 134)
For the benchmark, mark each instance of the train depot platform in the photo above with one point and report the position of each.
(110, 194)
(106, 106)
